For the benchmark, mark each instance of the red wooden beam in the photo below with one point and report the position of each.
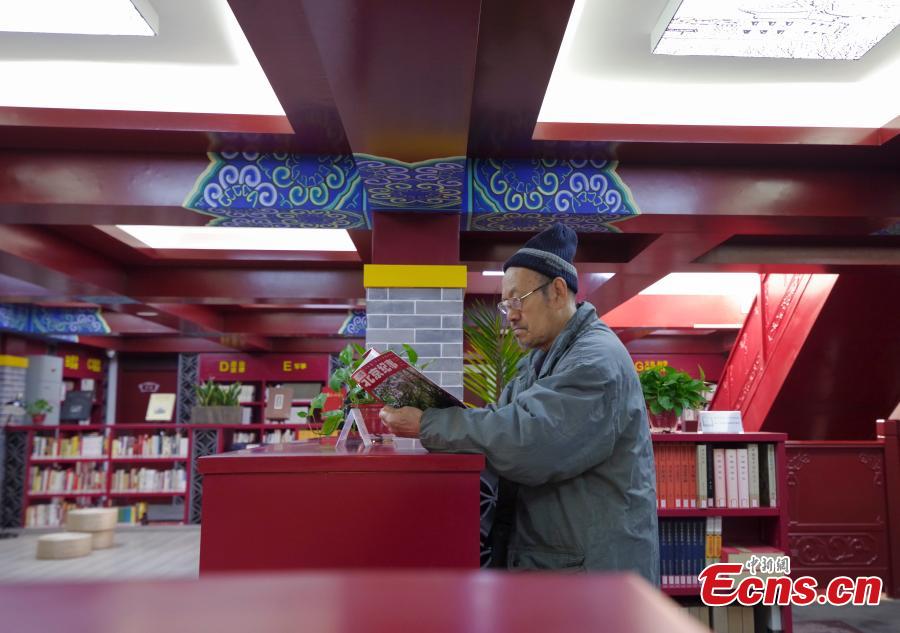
(129, 131)
(106, 189)
(215, 285)
(517, 47)
(401, 72)
(666, 254)
(675, 311)
(284, 45)
(769, 135)
(285, 323)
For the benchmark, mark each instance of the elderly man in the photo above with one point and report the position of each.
(570, 431)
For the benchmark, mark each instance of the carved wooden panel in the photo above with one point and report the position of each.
(837, 509)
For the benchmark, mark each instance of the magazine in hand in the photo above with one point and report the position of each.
(397, 383)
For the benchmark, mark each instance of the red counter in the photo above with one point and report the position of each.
(308, 505)
(361, 602)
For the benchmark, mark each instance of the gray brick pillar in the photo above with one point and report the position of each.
(429, 319)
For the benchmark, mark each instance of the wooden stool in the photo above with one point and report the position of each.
(100, 523)
(64, 545)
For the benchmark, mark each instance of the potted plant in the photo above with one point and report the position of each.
(355, 397)
(668, 392)
(217, 404)
(493, 353)
(38, 410)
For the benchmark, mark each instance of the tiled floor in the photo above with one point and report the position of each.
(140, 552)
(173, 552)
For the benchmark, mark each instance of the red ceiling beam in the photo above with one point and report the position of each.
(714, 343)
(71, 188)
(666, 254)
(124, 131)
(285, 323)
(401, 72)
(675, 311)
(214, 285)
(517, 47)
(769, 135)
(284, 44)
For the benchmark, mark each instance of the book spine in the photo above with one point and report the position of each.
(701, 475)
(743, 467)
(691, 474)
(731, 478)
(719, 457)
(773, 495)
(664, 476)
(753, 457)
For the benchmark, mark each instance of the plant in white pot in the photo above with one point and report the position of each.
(217, 404)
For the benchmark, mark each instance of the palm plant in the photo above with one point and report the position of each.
(493, 353)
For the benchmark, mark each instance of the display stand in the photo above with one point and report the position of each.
(356, 418)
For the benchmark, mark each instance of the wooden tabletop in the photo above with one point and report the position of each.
(358, 602)
(321, 455)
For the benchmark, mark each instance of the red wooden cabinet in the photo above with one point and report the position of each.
(311, 505)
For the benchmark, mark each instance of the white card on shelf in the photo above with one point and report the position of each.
(721, 422)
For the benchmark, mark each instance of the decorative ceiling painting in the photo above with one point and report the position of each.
(280, 191)
(287, 190)
(32, 319)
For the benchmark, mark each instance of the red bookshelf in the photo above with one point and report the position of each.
(50, 438)
(741, 525)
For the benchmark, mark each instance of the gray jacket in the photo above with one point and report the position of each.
(572, 431)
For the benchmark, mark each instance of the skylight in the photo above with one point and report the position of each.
(794, 29)
(98, 17)
(240, 239)
(736, 284)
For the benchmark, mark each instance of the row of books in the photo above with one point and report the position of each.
(150, 445)
(279, 435)
(686, 546)
(51, 514)
(708, 476)
(132, 514)
(82, 477)
(149, 480)
(737, 619)
(87, 445)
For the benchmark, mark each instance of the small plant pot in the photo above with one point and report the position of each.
(665, 422)
(38, 418)
(216, 415)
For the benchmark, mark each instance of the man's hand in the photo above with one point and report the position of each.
(403, 422)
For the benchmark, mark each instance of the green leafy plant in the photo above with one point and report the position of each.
(669, 389)
(493, 353)
(39, 407)
(340, 381)
(212, 394)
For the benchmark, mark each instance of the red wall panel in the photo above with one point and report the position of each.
(838, 510)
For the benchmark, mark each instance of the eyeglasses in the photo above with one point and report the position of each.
(515, 303)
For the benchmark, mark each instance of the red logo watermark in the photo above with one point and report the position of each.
(765, 580)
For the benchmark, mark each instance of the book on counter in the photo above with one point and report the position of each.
(395, 382)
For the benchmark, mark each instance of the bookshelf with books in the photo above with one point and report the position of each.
(718, 494)
(74, 466)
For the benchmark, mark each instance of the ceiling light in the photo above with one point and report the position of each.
(735, 284)
(98, 17)
(240, 239)
(147, 314)
(492, 273)
(794, 29)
